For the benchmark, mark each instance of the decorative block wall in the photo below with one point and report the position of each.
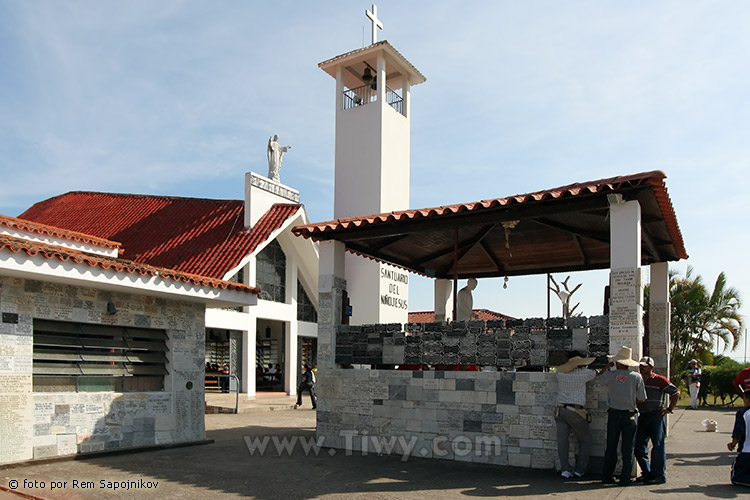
(47, 424)
(508, 343)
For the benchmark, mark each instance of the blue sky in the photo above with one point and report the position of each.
(179, 98)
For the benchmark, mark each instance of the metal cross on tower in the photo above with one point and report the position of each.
(376, 23)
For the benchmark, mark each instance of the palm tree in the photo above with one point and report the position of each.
(700, 317)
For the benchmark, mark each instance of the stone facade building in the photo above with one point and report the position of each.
(96, 352)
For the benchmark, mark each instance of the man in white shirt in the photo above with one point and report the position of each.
(570, 414)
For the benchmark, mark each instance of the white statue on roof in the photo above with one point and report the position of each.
(275, 154)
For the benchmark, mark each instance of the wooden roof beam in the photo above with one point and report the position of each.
(593, 235)
(389, 241)
(649, 244)
(463, 246)
(498, 265)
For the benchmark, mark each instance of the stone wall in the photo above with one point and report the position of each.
(502, 418)
(46, 424)
(497, 415)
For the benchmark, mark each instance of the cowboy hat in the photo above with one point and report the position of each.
(624, 357)
(573, 363)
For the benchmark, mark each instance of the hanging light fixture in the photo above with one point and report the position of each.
(508, 225)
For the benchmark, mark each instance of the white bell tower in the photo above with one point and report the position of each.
(373, 87)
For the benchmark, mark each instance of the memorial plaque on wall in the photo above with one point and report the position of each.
(15, 383)
(16, 427)
(624, 278)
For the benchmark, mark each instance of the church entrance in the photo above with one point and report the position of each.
(223, 348)
(270, 347)
(307, 353)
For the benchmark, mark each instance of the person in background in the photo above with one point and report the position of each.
(740, 474)
(625, 390)
(742, 380)
(652, 423)
(694, 382)
(572, 377)
(307, 384)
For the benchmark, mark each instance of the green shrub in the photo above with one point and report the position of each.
(717, 380)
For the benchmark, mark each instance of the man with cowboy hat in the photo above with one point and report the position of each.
(625, 391)
(570, 415)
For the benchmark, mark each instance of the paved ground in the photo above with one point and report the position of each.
(698, 467)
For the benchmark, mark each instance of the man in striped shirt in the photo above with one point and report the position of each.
(652, 424)
(570, 415)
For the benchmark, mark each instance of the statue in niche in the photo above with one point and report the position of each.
(465, 302)
(275, 154)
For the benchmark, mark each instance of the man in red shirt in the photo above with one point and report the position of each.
(742, 380)
(651, 422)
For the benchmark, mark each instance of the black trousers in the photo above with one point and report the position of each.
(310, 388)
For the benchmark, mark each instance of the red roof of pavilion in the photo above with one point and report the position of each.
(654, 179)
(556, 230)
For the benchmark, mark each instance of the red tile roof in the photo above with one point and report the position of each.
(655, 179)
(557, 230)
(429, 316)
(56, 232)
(30, 248)
(390, 49)
(191, 235)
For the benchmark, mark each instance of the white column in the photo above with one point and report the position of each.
(625, 234)
(291, 331)
(248, 360)
(381, 80)
(331, 262)
(443, 299)
(407, 97)
(250, 338)
(339, 90)
(626, 283)
(659, 318)
(290, 354)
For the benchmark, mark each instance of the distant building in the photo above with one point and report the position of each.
(429, 316)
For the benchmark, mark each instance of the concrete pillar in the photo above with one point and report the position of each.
(249, 359)
(443, 299)
(291, 337)
(331, 285)
(626, 282)
(290, 355)
(659, 318)
(381, 81)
